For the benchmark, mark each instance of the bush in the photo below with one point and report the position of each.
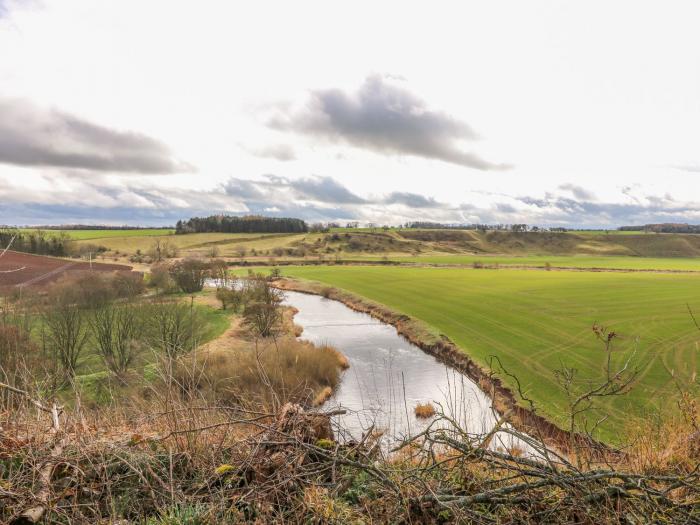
(190, 274)
(229, 298)
(160, 279)
(88, 289)
(262, 311)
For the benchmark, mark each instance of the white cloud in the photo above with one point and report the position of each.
(578, 118)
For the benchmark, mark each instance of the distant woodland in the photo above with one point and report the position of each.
(246, 224)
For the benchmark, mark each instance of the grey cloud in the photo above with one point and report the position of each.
(32, 136)
(282, 152)
(326, 189)
(693, 168)
(578, 192)
(412, 200)
(384, 118)
(570, 212)
(276, 189)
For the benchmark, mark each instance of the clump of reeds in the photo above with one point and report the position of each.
(424, 410)
(268, 372)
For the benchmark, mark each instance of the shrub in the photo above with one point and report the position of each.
(229, 298)
(160, 279)
(262, 311)
(190, 274)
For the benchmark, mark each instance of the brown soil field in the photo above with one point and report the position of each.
(24, 269)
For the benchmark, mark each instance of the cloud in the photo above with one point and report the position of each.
(412, 200)
(128, 200)
(692, 168)
(578, 192)
(644, 209)
(326, 189)
(385, 118)
(33, 136)
(281, 152)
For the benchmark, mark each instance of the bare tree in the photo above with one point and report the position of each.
(173, 327)
(68, 334)
(617, 381)
(262, 311)
(190, 274)
(116, 329)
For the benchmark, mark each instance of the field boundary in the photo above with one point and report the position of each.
(441, 347)
(465, 266)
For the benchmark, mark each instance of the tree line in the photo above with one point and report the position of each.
(35, 241)
(245, 224)
(664, 228)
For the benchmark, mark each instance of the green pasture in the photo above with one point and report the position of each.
(83, 235)
(193, 243)
(537, 322)
(558, 261)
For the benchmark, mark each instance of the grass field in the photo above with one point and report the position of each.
(563, 261)
(194, 243)
(82, 235)
(538, 321)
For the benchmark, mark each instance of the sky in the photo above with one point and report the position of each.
(579, 114)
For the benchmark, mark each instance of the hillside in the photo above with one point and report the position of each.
(397, 244)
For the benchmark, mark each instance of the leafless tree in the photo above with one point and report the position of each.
(116, 329)
(262, 306)
(68, 333)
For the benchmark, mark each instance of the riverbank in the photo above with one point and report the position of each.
(505, 401)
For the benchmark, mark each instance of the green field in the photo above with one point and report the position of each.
(538, 321)
(561, 261)
(83, 235)
(193, 243)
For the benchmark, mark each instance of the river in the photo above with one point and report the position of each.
(388, 375)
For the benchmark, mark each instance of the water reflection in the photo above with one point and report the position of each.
(388, 376)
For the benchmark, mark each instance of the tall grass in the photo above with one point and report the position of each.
(269, 372)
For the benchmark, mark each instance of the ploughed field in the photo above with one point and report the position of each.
(26, 269)
(538, 321)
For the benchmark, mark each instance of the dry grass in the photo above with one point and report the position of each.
(268, 372)
(424, 410)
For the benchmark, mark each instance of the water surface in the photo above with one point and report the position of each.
(388, 375)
